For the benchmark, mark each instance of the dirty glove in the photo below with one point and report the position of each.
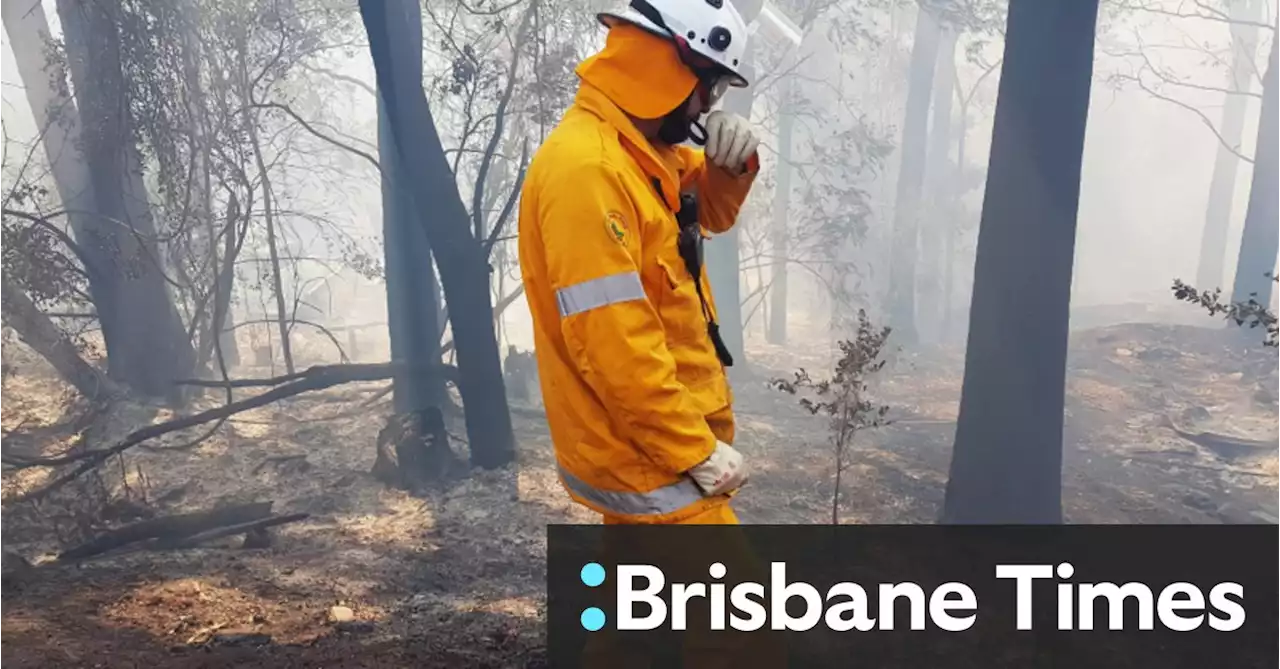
(730, 141)
(724, 471)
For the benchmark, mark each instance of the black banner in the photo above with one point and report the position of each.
(913, 596)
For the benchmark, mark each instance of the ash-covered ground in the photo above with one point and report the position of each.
(378, 578)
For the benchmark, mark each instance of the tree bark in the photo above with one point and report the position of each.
(461, 258)
(1007, 463)
(958, 191)
(952, 230)
(412, 310)
(1222, 185)
(148, 347)
(937, 188)
(47, 340)
(59, 121)
(1258, 244)
(906, 209)
(780, 231)
(54, 111)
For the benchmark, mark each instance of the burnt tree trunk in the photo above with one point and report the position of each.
(55, 113)
(412, 310)
(906, 207)
(413, 448)
(937, 222)
(148, 347)
(43, 80)
(47, 339)
(1007, 462)
(780, 231)
(1258, 244)
(1222, 185)
(464, 271)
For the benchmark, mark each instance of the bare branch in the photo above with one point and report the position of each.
(511, 201)
(477, 196)
(338, 76)
(1206, 13)
(308, 127)
(1201, 115)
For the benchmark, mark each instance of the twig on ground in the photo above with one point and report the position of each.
(203, 636)
(278, 459)
(169, 527)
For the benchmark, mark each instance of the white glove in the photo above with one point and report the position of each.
(730, 141)
(724, 471)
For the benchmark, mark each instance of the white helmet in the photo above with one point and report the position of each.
(712, 29)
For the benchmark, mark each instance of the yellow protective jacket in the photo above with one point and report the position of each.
(634, 392)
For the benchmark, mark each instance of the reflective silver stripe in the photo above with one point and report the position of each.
(667, 499)
(600, 292)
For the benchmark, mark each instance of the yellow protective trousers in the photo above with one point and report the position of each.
(700, 648)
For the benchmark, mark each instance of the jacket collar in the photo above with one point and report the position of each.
(593, 101)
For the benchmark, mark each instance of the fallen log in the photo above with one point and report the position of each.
(169, 528)
(1224, 445)
(449, 372)
(231, 530)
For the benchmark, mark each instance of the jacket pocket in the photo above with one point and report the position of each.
(679, 307)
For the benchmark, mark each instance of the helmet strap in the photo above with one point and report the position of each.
(677, 128)
(697, 133)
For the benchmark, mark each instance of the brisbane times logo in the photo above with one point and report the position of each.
(646, 601)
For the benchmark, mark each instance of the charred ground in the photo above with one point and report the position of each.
(455, 577)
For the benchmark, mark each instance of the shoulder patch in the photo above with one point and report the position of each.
(616, 226)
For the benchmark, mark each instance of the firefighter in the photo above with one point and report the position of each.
(612, 215)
